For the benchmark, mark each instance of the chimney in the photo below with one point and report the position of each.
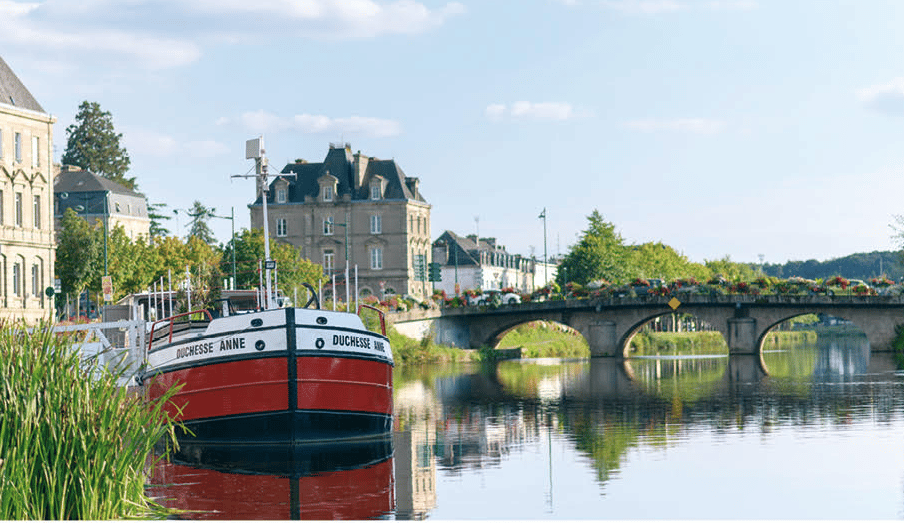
(360, 168)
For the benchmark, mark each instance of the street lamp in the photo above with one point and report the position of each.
(545, 263)
(346, 226)
(231, 218)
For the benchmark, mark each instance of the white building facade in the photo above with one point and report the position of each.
(27, 246)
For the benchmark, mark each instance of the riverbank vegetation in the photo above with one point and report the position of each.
(74, 444)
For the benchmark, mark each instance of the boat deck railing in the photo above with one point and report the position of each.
(163, 330)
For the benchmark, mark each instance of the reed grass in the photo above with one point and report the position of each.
(73, 443)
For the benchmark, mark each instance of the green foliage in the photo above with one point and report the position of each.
(293, 268)
(657, 260)
(79, 253)
(732, 271)
(861, 266)
(406, 351)
(599, 254)
(73, 443)
(93, 145)
(541, 339)
(198, 227)
(157, 214)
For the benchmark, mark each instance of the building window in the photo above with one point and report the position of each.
(35, 154)
(35, 281)
(18, 146)
(1, 143)
(376, 224)
(328, 226)
(18, 209)
(376, 258)
(280, 196)
(17, 277)
(328, 257)
(327, 193)
(281, 227)
(1, 207)
(375, 191)
(37, 212)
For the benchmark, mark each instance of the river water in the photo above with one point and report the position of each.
(806, 432)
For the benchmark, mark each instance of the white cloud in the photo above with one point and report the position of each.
(643, 6)
(886, 98)
(265, 122)
(144, 142)
(687, 125)
(172, 33)
(531, 110)
(651, 7)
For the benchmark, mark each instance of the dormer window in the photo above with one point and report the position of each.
(281, 195)
(327, 193)
(375, 191)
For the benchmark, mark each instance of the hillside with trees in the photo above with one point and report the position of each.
(861, 266)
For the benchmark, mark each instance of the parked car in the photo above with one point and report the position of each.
(494, 297)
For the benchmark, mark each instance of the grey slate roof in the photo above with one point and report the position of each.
(86, 181)
(339, 162)
(13, 91)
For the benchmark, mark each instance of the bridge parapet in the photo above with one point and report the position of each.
(609, 323)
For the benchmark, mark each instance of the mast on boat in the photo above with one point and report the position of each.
(254, 149)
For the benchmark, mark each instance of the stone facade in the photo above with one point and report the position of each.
(94, 198)
(361, 202)
(26, 218)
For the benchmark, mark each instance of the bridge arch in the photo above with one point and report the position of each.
(633, 330)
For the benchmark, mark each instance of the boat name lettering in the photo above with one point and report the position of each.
(379, 346)
(197, 349)
(351, 341)
(232, 343)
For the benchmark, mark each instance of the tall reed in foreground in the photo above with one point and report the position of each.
(73, 444)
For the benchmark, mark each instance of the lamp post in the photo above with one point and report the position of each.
(346, 226)
(231, 218)
(545, 264)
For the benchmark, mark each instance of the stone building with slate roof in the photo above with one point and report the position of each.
(483, 264)
(368, 204)
(26, 219)
(96, 199)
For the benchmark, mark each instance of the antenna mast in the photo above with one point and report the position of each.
(254, 149)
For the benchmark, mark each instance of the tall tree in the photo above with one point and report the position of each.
(599, 254)
(93, 144)
(79, 253)
(199, 229)
(157, 216)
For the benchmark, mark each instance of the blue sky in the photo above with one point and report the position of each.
(718, 127)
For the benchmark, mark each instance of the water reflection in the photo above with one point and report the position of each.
(579, 439)
(312, 481)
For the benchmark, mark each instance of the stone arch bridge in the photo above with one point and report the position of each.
(609, 324)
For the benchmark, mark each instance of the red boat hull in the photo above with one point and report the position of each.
(283, 395)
